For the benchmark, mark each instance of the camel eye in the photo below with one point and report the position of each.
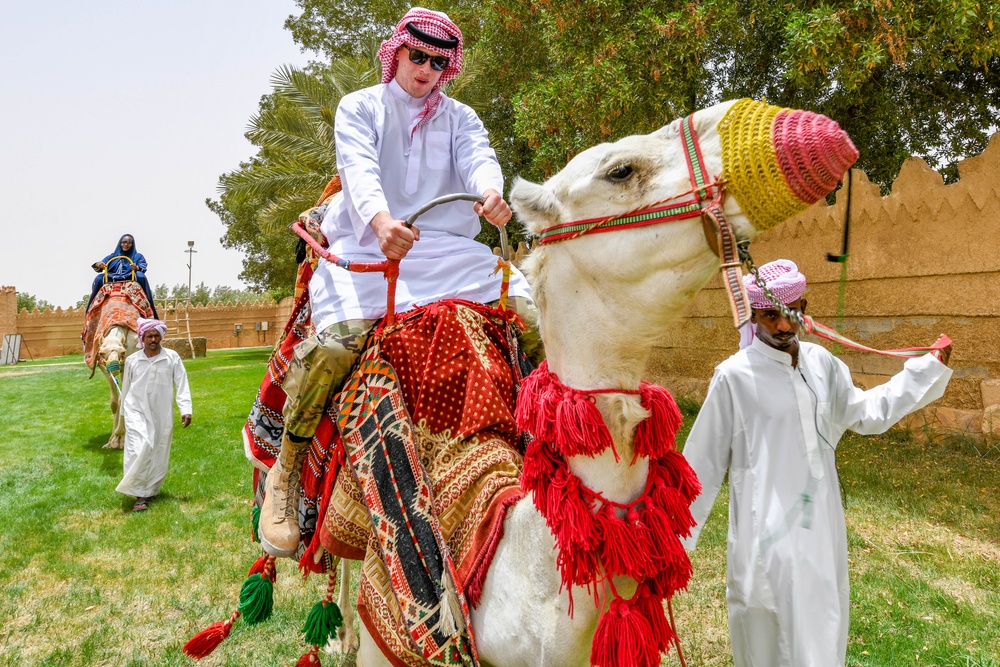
(620, 173)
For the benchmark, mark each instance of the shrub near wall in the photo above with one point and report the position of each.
(924, 260)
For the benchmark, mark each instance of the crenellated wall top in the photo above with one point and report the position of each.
(57, 312)
(923, 227)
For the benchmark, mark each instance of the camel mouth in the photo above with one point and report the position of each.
(778, 162)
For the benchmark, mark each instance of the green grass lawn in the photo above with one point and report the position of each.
(87, 582)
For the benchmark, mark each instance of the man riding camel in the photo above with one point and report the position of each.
(399, 144)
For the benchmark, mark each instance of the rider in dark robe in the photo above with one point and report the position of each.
(121, 269)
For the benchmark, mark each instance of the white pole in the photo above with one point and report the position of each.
(187, 308)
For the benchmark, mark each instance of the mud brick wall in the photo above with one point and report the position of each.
(56, 332)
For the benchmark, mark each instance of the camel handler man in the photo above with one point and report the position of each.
(152, 375)
(399, 144)
(774, 414)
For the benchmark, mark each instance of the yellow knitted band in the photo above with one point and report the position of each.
(750, 165)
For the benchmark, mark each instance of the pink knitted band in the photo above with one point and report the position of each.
(782, 277)
(813, 153)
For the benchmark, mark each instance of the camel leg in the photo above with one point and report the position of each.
(369, 654)
(347, 639)
(116, 344)
(117, 439)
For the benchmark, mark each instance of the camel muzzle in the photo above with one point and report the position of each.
(777, 162)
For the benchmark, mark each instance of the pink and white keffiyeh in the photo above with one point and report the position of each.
(437, 25)
(783, 278)
(145, 325)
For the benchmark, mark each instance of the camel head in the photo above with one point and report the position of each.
(111, 355)
(616, 289)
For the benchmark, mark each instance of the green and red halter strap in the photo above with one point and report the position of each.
(703, 200)
(651, 214)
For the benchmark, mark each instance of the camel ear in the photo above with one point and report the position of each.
(534, 204)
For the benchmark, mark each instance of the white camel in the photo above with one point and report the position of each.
(118, 342)
(604, 299)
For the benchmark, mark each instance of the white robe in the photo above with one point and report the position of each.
(383, 167)
(775, 428)
(148, 385)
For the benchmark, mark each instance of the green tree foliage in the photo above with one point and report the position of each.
(906, 77)
(336, 29)
(30, 302)
(202, 294)
(903, 77)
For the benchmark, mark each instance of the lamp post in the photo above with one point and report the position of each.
(190, 251)
(187, 309)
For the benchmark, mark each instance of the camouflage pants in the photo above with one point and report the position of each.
(318, 368)
(320, 364)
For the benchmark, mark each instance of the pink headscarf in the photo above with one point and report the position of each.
(145, 325)
(438, 26)
(784, 280)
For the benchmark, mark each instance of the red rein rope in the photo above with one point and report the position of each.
(388, 268)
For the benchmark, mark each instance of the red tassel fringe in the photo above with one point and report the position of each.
(594, 540)
(624, 638)
(309, 658)
(657, 435)
(676, 472)
(565, 418)
(206, 641)
(650, 606)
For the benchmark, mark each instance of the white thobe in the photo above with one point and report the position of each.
(775, 428)
(148, 386)
(386, 166)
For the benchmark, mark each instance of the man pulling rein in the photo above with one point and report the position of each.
(773, 417)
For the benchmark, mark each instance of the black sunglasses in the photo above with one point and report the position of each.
(418, 57)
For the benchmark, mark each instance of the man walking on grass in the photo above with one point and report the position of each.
(774, 414)
(152, 374)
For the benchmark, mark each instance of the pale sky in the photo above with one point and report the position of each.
(118, 116)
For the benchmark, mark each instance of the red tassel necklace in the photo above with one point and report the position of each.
(599, 538)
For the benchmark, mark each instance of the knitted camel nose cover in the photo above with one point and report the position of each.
(778, 161)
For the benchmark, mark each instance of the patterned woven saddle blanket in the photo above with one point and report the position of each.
(417, 487)
(116, 304)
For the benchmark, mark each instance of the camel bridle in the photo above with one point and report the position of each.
(704, 199)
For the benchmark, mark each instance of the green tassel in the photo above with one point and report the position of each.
(256, 599)
(255, 522)
(323, 621)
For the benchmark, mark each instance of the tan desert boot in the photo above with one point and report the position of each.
(279, 522)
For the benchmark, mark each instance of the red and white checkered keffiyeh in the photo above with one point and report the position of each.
(433, 23)
(783, 278)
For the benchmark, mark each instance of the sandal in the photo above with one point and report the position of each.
(140, 505)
